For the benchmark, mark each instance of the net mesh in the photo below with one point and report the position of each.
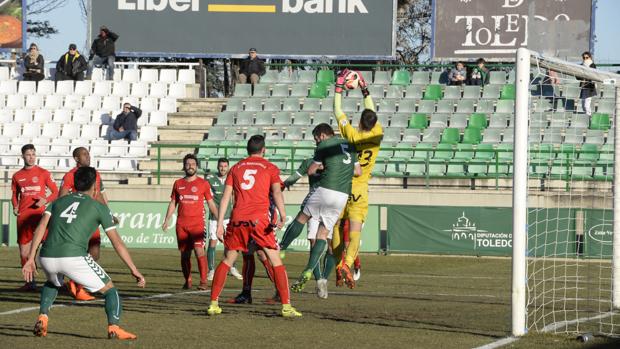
(570, 217)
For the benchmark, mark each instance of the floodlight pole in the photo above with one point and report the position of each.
(519, 194)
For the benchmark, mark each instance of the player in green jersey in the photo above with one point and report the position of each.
(71, 220)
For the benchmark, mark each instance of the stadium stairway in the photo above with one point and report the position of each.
(187, 126)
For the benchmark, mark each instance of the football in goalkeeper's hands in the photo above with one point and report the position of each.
(351, 80)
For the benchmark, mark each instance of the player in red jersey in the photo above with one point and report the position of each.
(29, 186)
(251, 180)
(82, 159)
(189, 194)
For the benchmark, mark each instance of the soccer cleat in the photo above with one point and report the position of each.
(235, 273)
(299, 285)
(203, 286)
(321, 288)
(40, 327)
(357, 273)
(28, 287)
(274, 300)
(210, 275)
(242, 298)
(115, 332)
(188, 284)
(214, 309)
(72, 288)
(289, 311)
(83, 295)
(348, 276)
(339, 280)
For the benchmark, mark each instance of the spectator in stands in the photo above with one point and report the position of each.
(71, 65)
(34, 64)
(102, 52)
(252, 68)
(126, 124)
(458, 74)
(588, 88)
(480, 73)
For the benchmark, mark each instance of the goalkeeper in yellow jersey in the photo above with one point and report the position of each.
(366, 139)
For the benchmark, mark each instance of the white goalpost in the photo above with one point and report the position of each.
(566, 233)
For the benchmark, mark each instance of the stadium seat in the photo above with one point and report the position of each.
(318, 90)
(484, 153)
(445, 106)
(485, 106)
(387, 105)
(299, 90)
(102, 88)
(414, 92)
(27, 87)
(450, 136)
(118, 148)
(443, 152)
(327, 104)
(294, 133)
(492, 135)
(300, 119)
(401, 77)
(216, 133)
(399, 120)
(42, 116)
(392, 134)
(31, 130)
(279, 90)
(148, 134)
(452, 92)
(599, 121)
(382, 77)
(120, 88)
(177, 90)
(81, 116)
(433, 92)
(349, 105)
(287, 76)
(376, 91)
(22, 115)
(471, 92)
(112, 103)
(14, 101)
(438, 120)
(264, 118)
(505, 106)
(327, 77)
(158, 118)
(289, 104)
(46, 87)
(411, 136)
(439, 77)
(53, 102)
(464, 152)
(322, 117)
(465, 106)
(312, 104)
(458, 121)
(9, 87)
(4, 73)
(497, 77)
(508, 92)
(34, 101)
(478, 120)
(306, 76)
(158, 89)
(245, 118)
(284, 118)
(168, 75)
(425, 106)
(407, 106)
(491, 91)
(472, 135)
(168, 105)
(420, 78)
(149, 75)
(70, 131)
(393, 92)
(187, 76)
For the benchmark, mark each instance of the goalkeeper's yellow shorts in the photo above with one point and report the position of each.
(357, 205)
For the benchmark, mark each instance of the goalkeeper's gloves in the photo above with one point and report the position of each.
(363, 85)
(340, 80)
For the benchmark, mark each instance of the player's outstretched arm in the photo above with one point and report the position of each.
(123, 253)
(171, 208)
(368, 103)
(338, 113)
(226, 196)
(29, 269)
(278, 199)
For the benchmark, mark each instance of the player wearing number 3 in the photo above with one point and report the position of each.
(72, 220)
(366, 139)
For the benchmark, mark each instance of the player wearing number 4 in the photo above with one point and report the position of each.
(366, 139)
(251, 180)
(189, 194)
(71, 220)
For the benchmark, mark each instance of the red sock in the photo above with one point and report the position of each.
(186, 267)
(281, 281)
(23, 260)
(219, 279)
(248, 270)
(357, 264)
(268, 269)
(203, 268)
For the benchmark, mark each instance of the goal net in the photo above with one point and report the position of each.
(565, 276)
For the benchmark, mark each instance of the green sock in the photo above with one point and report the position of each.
(211, 258)
(291, 233)
(113, 306)
(317, 272)
(316, 253)
(328, 265)
(48, 295)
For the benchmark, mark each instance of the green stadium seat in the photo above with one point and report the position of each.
(484, 153)
(422, 151)
(491, 91)
(312, 104)
(411, 136)
(599, 121)
(306, 76)
(471, 92)
(279, 90)
(508, 92)
(420, 78)
(504, 153)
(395, 169)
(452, 92)
(567, 152)
(543, 151)
(500, 171)
(327, 77)
(381, 77)
(432, 135)
(401, 77)
(206, 153)
(505, 106)
(270, 77)
(250, 131)
(253, 104)
(478, 120)
(234, 104)
(273, 104)
(262, 90)
(322, 117)
(414, 92)
(399, 120)
(458, 121)
(450, 136)
(472, 135)
(485, 106)
(403, 155)
(433, 92)
(264, 118)
(301, 118)
(394, 92)
(600, 173)
(386, 152)
(456, 170)
(443, 152)
(243, 90)
(465, 106)
(445, 106)
(588, 153)
(418, 121)
(560, 170)
(416, 169)
(284, 150)
(607, 106)
(299, 90)
(304, 149)
(436, 170)
(225, 148)
(477, 170)
(606, 155)
(318, 90)
(574, 136)
(464, 152)
(426, 106)
(391, 134)
(245, 118)
(497, 77)
(582, 172)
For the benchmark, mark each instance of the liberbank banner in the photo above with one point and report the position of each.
(140, 227)
(495, 29)
(224, 28)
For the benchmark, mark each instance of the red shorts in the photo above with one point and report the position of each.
(239, 233)
(26, 225)
(95, 239)
(190, 235)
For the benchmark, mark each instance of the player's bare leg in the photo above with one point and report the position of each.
(219, 279)
(316, 253)
(281, 281)
(24, 249)
(203, 269)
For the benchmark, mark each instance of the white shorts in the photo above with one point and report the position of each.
(212, 232)
(83, 270)
(325, 205)
(313, 228)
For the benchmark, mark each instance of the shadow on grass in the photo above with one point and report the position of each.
(23, 331)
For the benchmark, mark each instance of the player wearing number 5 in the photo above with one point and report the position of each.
(71, 220)
(366, 139)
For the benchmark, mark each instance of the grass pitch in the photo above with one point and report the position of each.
(400, 302)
